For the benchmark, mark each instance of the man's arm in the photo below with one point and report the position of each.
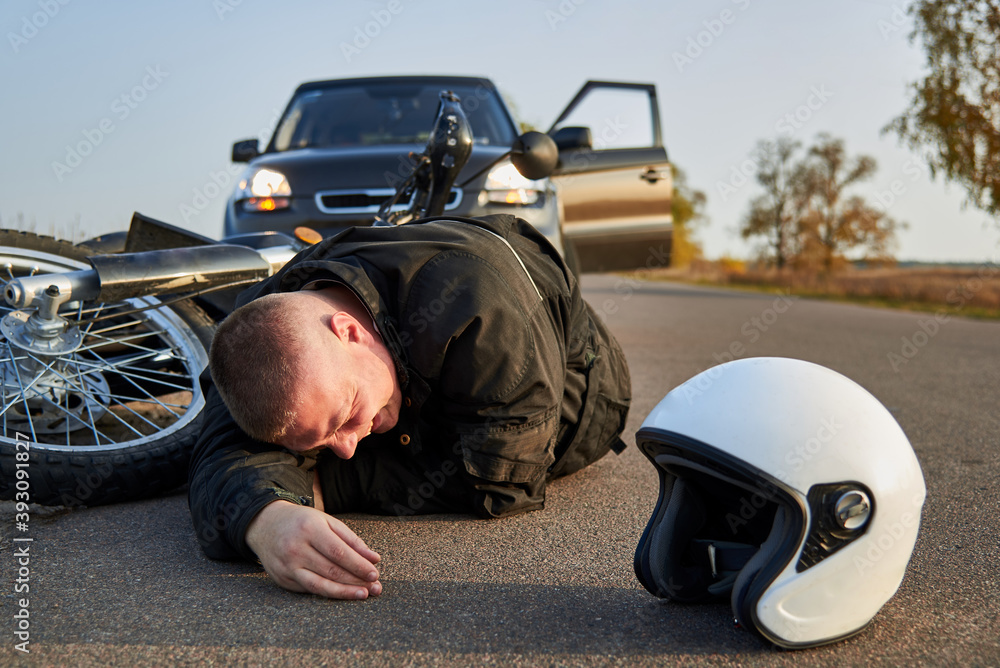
(232, 477)
(304, 549)
(253, 500)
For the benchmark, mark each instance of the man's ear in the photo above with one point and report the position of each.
(347, 328)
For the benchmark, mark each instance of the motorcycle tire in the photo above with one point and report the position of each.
(116, 418)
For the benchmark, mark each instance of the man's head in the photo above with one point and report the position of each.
(306, 370)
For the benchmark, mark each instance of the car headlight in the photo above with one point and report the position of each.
(505, 185)
(263, 189)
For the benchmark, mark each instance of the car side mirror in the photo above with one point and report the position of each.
(245, 151)
(534, 155)
(573, 136)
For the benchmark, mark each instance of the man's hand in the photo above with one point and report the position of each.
(305, 549)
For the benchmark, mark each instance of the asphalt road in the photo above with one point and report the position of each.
(128, 584)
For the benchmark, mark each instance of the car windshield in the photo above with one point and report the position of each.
(384, 113)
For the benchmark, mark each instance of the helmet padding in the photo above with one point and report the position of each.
(747, 578)
(694, 550)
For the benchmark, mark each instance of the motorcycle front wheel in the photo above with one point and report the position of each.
(115, 417)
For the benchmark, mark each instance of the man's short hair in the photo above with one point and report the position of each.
(253, 361)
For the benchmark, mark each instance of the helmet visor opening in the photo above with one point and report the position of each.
(713, 515)
(730, 523)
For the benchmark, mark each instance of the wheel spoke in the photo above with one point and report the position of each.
(91, 422)
(87, 393)
(127, 375)
(126, 362)
(116, 399)
(126, 340)
(121, 325)
(4, 367)
(93, 426)
(133, 380)
(143, 390)
(24, 398)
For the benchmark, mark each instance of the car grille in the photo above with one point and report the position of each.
(369, 201)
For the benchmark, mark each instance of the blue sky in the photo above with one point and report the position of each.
(158, 92)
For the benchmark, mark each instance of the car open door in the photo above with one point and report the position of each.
(614, 178)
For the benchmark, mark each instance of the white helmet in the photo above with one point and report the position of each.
(785, 487)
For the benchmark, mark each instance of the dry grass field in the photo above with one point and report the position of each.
(973, 291)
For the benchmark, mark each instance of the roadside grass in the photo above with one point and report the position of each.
(970, 292)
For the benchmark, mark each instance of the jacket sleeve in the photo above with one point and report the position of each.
(506, 461)
(232, 477)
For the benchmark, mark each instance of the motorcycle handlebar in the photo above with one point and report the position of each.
(435, 170)
(117, 277)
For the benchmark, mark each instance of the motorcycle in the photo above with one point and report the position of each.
(101, 353)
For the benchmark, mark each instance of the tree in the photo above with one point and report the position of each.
(806, 212)
(688, 210)
(835, 222)
(775, 214)
(955, 111)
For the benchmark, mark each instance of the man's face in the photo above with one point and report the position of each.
(347, 391)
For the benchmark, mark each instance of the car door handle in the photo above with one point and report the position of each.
(652, 176)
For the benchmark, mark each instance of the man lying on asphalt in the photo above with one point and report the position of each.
(449, 365)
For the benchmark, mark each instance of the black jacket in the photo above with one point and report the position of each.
(508, 380)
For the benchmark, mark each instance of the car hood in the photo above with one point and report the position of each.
(310, 170)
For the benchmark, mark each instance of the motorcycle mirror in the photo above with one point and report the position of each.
(534, 155)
